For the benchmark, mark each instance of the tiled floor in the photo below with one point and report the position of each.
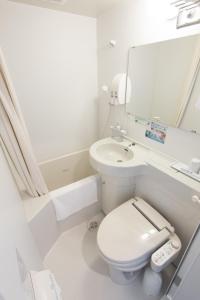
(82, 274)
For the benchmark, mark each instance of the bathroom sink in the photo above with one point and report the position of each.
(114, 153)
(113, 158)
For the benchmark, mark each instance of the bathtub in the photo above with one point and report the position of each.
(61, 174)
(66, 169)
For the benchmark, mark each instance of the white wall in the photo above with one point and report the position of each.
(172, 199)
(134, 23)
(14, 236)
(52, 60)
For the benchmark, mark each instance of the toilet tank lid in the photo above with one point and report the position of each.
(45, 286)
(152, 215)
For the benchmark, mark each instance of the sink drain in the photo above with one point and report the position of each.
(119, 160)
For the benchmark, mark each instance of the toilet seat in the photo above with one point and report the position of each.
(129, 235)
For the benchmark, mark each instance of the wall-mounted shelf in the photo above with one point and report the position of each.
(185, 170)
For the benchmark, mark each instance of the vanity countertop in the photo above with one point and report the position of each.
(163, 163)
(144, 156)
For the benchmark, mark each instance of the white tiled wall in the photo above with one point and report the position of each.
(52, 60)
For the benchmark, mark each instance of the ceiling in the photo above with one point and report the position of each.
(90, 8)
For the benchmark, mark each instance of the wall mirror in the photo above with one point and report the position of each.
(165, 80)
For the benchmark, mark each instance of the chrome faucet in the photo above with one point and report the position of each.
(117, 133)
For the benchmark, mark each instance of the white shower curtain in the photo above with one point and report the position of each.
(14, 138)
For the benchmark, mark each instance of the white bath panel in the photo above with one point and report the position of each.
(41, 214)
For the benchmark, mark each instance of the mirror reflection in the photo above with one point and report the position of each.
(165, 80)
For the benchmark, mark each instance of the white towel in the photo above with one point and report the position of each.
(74, 197)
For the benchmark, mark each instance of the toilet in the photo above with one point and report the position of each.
(131, 235)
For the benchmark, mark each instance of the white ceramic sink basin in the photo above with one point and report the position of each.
(114, 153)
(113, 158)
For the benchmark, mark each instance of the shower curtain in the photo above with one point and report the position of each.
(14, 139)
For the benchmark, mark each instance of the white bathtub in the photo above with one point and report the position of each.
(66, 169)
(61, 175)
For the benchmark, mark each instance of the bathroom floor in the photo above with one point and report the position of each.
(81, 272)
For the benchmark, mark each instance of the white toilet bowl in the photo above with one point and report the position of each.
(128, 236)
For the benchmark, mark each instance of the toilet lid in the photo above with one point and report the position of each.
(125, 235)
